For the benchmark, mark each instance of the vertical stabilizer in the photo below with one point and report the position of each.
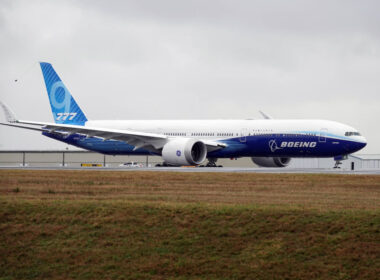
(63, 106)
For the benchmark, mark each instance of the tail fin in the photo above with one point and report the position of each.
(63, 106)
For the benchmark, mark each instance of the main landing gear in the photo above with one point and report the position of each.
(164, 164)
(211, 163)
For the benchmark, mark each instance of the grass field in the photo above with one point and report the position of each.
(163, 225)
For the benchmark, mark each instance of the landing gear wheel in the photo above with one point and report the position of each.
(337, 164)
(164, 164)
(211, 162)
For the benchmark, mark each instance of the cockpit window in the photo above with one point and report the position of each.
(350, 133)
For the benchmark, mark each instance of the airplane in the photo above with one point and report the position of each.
(268, 142)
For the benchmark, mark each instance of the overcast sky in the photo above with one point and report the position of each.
(193, 60)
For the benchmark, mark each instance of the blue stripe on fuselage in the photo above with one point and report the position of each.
(110, 147)
(287, 146)
(284, 145)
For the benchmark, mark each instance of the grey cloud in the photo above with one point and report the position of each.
(195, 59)
(295, 15)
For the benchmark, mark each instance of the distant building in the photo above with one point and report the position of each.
(354, 162)
(76, 158)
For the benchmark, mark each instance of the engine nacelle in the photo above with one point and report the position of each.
(271, 161)
(184, 151)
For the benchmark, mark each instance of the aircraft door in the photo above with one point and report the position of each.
(322, 135)
(243, 135)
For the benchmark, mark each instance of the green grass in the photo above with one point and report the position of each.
(156, 225)
(125, 240)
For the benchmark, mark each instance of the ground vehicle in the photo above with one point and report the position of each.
(131, 164)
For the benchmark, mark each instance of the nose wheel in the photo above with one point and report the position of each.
(338, 163)
(338, 160)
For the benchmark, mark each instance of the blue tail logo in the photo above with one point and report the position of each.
(63, 106)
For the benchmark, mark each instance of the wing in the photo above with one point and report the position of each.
(134, 138)
(149, 141)
(265, 116)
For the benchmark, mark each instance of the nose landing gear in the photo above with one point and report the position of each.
(338, 160)
(337, 164)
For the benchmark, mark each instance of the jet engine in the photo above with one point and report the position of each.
(184, 151)
(271, 161)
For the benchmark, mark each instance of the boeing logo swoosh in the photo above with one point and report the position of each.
(273, 146)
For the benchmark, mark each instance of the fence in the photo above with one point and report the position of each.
(70, 158)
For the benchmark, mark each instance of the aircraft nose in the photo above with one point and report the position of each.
(360, 145)
(354, 146)
(364, 142)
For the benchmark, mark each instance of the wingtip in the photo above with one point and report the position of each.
(265, 116)
(9, 115)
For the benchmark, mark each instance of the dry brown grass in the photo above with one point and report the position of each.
(155, 225)
(324, 192)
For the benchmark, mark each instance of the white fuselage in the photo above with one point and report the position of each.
(225, 129)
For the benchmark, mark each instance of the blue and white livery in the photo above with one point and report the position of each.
(269, 142)
(63, 106)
